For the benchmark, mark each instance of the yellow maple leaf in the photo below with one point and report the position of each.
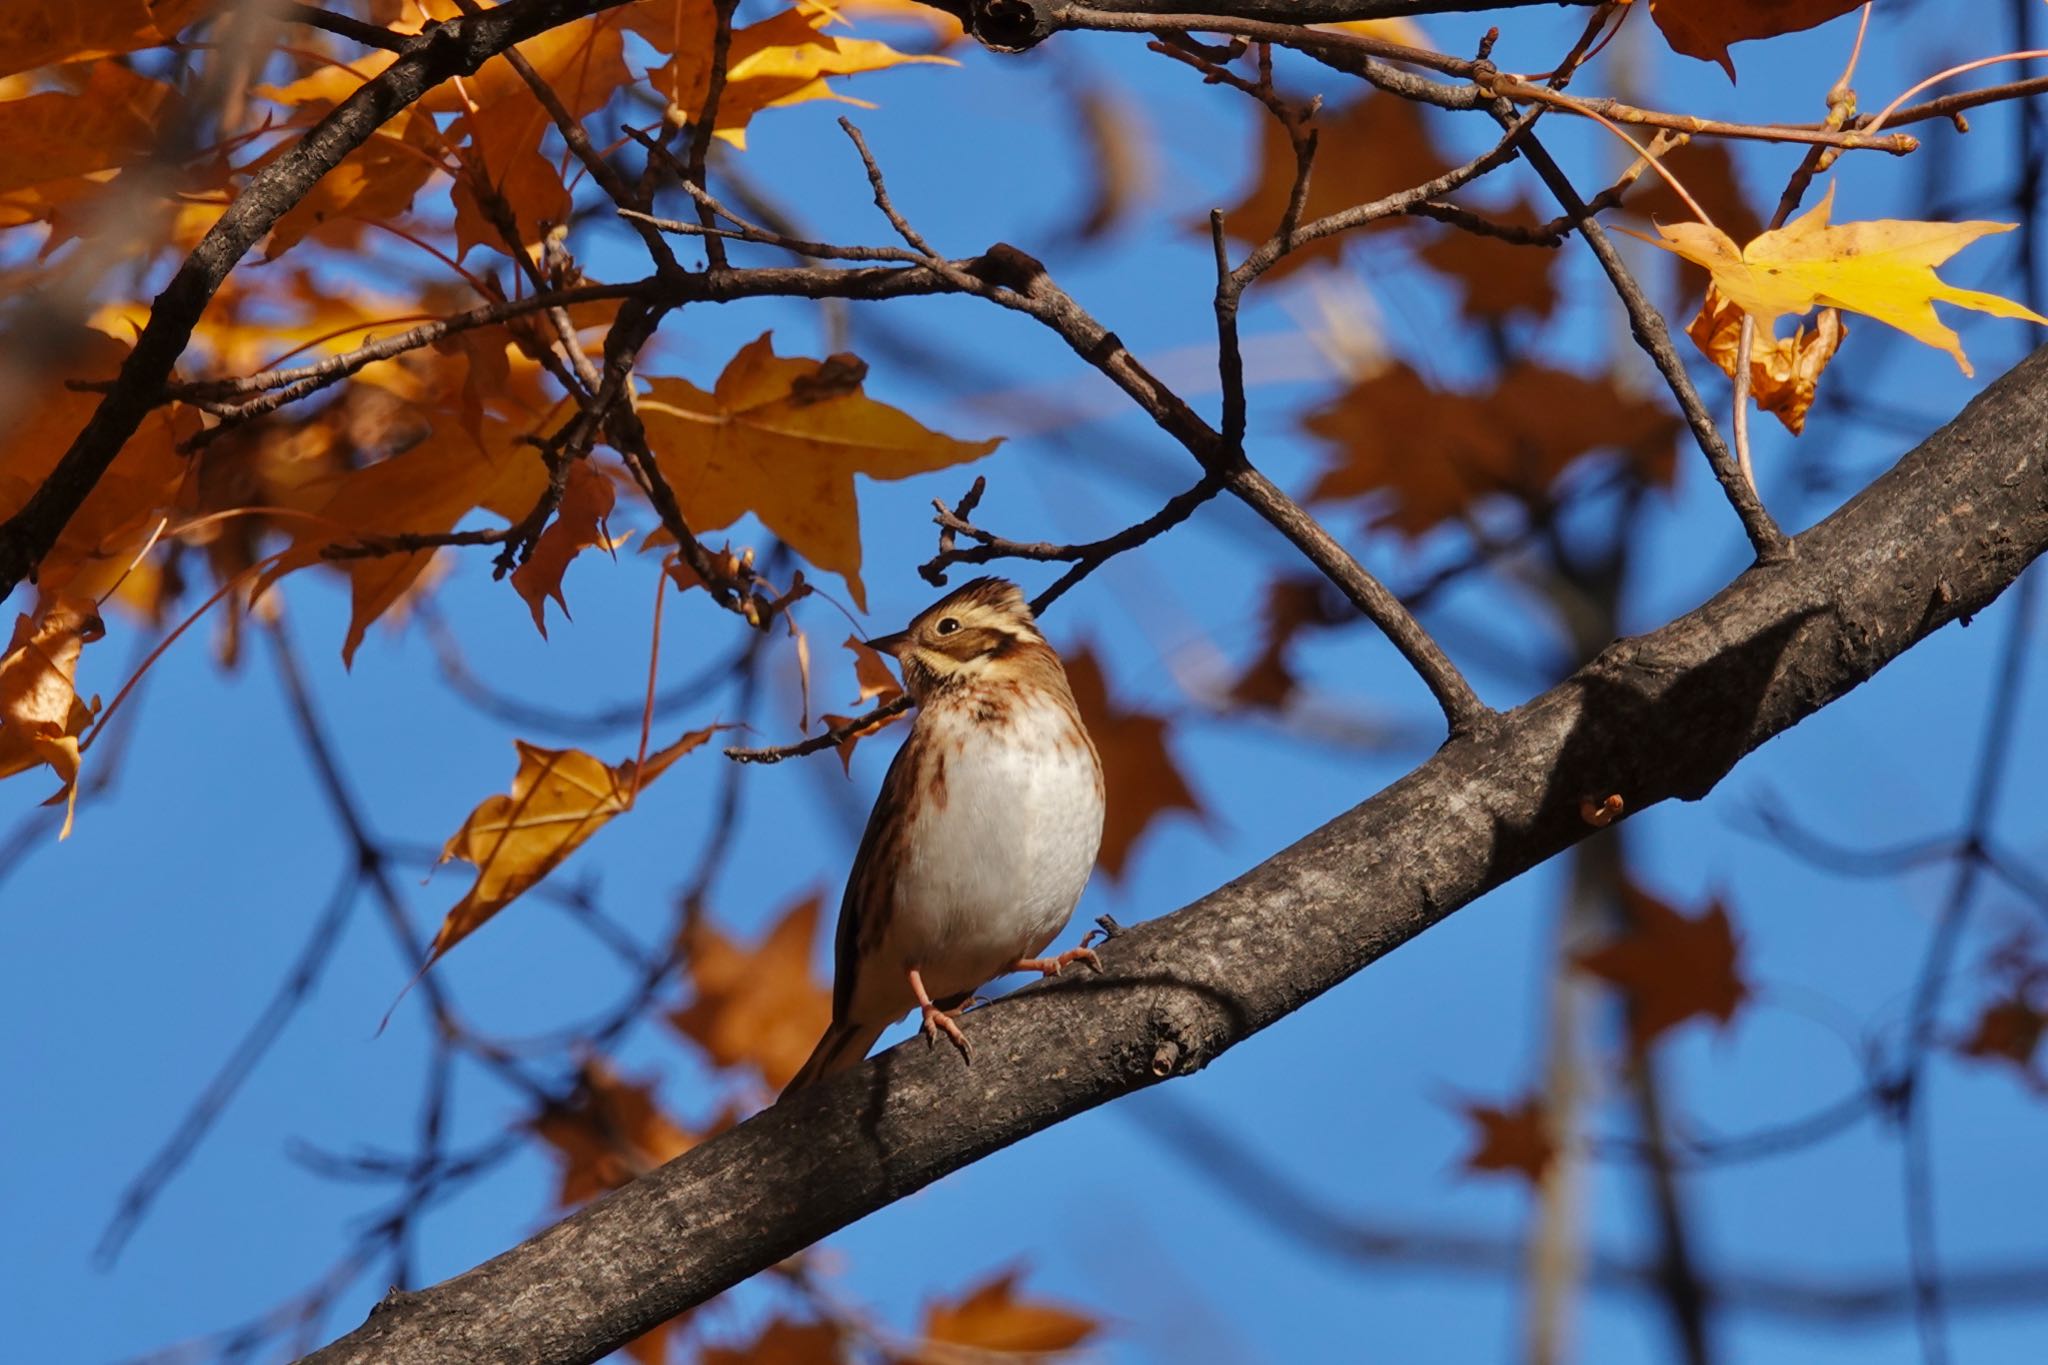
(41, 715)
(1883, 269)
(782, 437)
(559, 798)
(782, 60)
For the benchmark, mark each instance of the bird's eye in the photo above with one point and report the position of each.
(947, 625)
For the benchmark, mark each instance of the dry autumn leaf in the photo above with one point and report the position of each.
(1671, 968)
(1517, 1141)
(781, 1342)
(782, 438)
(56, 146)
(782, 60)
(1883, 269)
(991, 1317)
(559, 798)
(423, 490)
(872, 672)
(1364, 150)
(34, 33)
(758, 1007)
(1430, 455)
(587, 500)
(41, 714)
(1496, 278)
(1292, 606)
(610, 1131)
(1141, 781)
(846, 746)
(2009, 1032)
(1705, 28)
(1784, 374)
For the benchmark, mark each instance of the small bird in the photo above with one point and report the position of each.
(984, 833)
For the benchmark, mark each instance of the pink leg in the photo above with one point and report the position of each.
(1053, 966)
(937, 1021)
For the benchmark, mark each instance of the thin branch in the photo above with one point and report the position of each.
(1648, 327)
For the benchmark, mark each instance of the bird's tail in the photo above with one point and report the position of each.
(843, 1045)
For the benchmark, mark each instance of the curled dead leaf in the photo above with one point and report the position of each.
(1783, 374)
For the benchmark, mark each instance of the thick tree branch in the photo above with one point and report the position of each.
(1655, 717)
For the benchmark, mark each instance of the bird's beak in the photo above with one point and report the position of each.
(889, 644)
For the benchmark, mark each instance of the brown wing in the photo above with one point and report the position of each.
(866, 902)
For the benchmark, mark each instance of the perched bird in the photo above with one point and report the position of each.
(984, 833)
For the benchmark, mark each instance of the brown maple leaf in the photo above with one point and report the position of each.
(1518, 1141)
(1139, 776)
(761, 1006)
(1670, 967)
(609, 1132)
(1430, 455)
(1364, 150)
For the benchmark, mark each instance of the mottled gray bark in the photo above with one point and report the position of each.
(1658, 716)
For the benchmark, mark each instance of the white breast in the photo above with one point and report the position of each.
(1000, 850)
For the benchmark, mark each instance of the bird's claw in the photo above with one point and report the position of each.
(936, 1022)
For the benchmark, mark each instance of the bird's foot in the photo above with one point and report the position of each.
(937, 1021)
(1053, 966)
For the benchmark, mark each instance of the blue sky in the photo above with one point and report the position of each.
(133, 957)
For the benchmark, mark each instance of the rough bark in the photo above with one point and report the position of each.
(1653, 717)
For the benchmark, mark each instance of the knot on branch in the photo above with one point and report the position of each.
(1010, 25)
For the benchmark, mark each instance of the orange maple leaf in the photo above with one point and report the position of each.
(1784, 375)
(55, 145)
(873, 674)
(559, 798)
(609, 1132)
(1497, 278)
(37, 33)
(1705, 28)
(845, 747)
(1292, 606)
(1672, 968)
(782, 1342)
(423, 490)
(991, 1317)
(782, 438)
(759, 1007)
(1140, 779)
(587, 500)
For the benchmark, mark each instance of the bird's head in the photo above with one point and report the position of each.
(982, 631)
